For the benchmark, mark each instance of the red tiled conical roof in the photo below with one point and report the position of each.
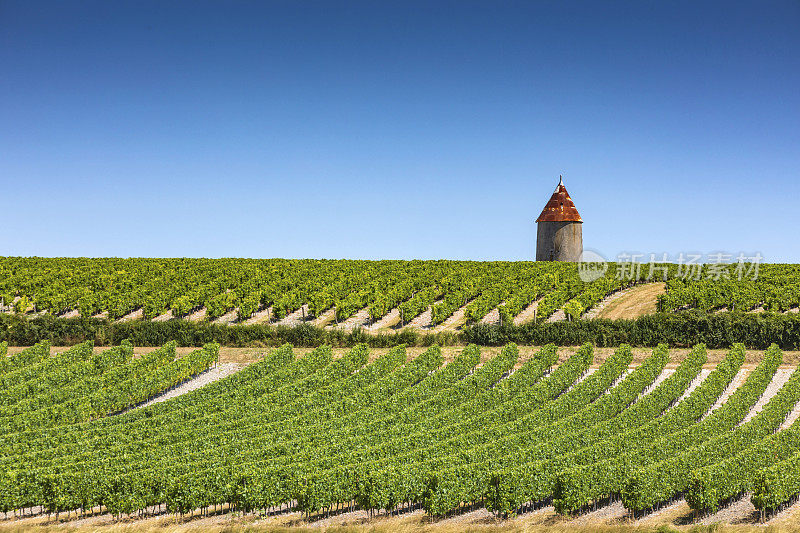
(560, 207)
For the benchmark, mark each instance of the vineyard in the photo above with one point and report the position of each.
(321, 435)
(434, 294)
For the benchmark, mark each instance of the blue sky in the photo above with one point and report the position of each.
(397, 129)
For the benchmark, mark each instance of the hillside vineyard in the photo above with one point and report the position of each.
(320, 434)
(174, 288)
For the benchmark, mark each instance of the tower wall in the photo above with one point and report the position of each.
(559, 241)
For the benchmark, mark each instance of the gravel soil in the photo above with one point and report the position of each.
(738, 379)
(227, 318)
(676, 512)
(294, 318)
(792, 418)
(788, 517)
(694, 384)
(492, 317)
(201, 380)
(739, 512)
(360, 319)
(197, 316)
(778, 380)
(422, 320)
(164, 317)
(264, 315)
(470, 518)
(607, 514)
(527, 314)
(454, 321)
(558, 316)
(133, 315)
(387, 321)
(325, 318)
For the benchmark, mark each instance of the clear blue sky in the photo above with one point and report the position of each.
(397, 129)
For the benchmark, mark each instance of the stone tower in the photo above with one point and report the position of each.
(559, 236)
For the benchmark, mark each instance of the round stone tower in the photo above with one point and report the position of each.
(559, 236)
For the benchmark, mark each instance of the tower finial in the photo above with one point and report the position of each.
(560, 179)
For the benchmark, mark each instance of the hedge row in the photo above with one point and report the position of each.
(757, 331)
(681, 330)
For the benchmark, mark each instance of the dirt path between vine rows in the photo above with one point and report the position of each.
(201, 380)
(454, 321)
(527, 314)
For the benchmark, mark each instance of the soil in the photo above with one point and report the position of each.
(527, 314)
(164, 317)
(454, 321)
(778, 380)
(227, 318)
(735, 383)
(209, 376)
(422, 320)
(492, 317)
(294, 318)
(133, 315)
(360, 319)
(389, 320)
(325, 318)
(197, 316)
(263, 315)
(558, 316)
